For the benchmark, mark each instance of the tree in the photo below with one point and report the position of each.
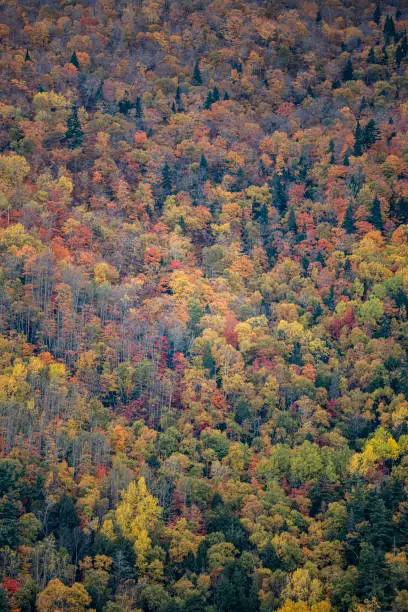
(27, 57)
(197, 78)
(377, 14)
(348, 71)
(389, 29)
(74, 60)
(138, 108)
(370, 134)
(358, 140)
(376, 214)
(74, 133)
(292, 225)
(348, 222)
(167, 182)
(57, 596)
(137, 515)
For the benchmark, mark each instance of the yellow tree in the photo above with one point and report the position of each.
(137, 515)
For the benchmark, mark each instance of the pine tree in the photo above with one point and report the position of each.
(280, 197)
(138, 108)
(27, 57)
(318, 16)
(399, 55)
(348, 222)
(371, 56)
(209, 101)
(389, 29)
(208, 359)
(99, 92)
(348, 70)
(346, 159)
(226, 96)
(167, 183)
(74, 60)
(370, 134)
(197, 79)
(331, 150)
(358, 138)
(125, 104)
(215, 94)
(74, 133)
(203, 168)
(404, 45)
(376, 215)
(377, 14)
(292, 225)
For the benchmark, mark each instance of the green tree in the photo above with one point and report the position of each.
(74, 133)
(348, 222)
(197, 78)
(74, 60)
(376, 214)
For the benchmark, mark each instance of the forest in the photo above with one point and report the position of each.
(203, 306)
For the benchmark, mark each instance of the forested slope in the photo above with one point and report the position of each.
(203, 306)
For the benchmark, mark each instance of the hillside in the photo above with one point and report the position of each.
(203, 306)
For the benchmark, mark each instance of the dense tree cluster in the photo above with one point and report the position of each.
(203, 306)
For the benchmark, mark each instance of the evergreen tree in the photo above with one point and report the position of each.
(358, 140)
(74, 133)
(74, 60)
(215, 94)
(209, 101)
(292, 225)
(203, 168)
(348, 222)
(348, 70)
(346, 159)
(331, 150)
(318, 16)
(208, 359)
(279, 191)
(399, 55)
(296, 354)
(389, 29)
(99, 92)
(371, 56)
(27, 57)
(370, 134)
(125, 104)
(377, 14)
(226, 96)
(376, 215)
(167, 183)
(404, 45)
(197, 78)
(138, 108)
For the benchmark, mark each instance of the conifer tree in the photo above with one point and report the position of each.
(377, 14)
(197, 78)
(376, 215)
(209, 101)
(358, 140)
(74, 60)
(138, 108)
(27, 57)
(348, 70)
(292, 225)
(166, 180)
(74, 133)
(348, 222)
